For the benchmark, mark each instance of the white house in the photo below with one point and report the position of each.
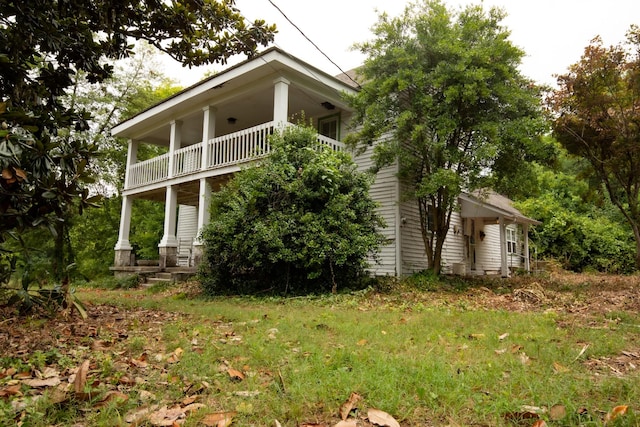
(213, 128)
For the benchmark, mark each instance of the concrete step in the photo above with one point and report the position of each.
(158, 280)
(164, 275)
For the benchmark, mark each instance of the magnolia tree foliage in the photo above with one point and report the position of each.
(45, 44)
(597, 109)
(299, 221)
(444, 91)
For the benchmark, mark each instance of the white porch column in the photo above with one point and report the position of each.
(504, 270)
(525, 233)
(123, 248)
(169, 244)
(203, 219)
(208, 132)
(175, 139)
(281, 101)
(132, 158)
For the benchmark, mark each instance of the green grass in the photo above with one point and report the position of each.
(425, 364)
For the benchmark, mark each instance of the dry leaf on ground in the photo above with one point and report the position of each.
(616, 412)
(219, 419)
(557, 412)
(348, 406)
(235, 375)
(347, 423)
(381, 418)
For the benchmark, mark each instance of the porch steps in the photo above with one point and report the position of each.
(159, 278)
(170, 275)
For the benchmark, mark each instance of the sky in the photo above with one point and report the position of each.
(552, 33)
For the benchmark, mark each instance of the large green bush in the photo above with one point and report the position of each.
(301, 221)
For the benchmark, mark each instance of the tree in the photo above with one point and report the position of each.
(300, 221)
(45, 44)
(580, 228)
(597, 107)
(443, 98)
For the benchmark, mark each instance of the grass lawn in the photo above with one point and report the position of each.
(560, 350)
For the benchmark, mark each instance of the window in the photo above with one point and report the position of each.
(512, 241)
(330, 126)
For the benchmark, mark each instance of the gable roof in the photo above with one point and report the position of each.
(489, 205)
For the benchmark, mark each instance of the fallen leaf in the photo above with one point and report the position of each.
(500, 351)
(111, 396)
(616, 412)
(361, 342)
(516, 348)
(38, 383)
(235, 375)
(138, 416)
(503, 336)
(347, 423)
(557, 412)
(278, 423)
(524, 359)
(220, 419)
(517, 416)
(81, 377)
(166, 416)
(558, 368)
(540, 423)
(381, 418)
(193, 407)
(476, 336)
(12, 390)
(348, 406)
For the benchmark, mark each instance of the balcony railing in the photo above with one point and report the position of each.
(227, 150)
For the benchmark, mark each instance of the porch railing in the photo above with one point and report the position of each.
(232, 149)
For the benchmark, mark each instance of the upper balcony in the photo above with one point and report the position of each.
(222, 155)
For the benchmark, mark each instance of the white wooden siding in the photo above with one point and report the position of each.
(453, 251)
(384, 192)
(187, 222)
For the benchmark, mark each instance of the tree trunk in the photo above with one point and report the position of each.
(636, 236)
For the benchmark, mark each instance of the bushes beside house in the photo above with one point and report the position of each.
(301, 221)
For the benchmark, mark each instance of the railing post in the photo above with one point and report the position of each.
(175, 139)
(208, 132)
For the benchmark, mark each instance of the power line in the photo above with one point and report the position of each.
(311, 41)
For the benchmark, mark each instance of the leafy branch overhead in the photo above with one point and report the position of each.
(45, 45)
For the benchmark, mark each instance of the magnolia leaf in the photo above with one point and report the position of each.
(219, 419)
(46, 382)
(348, 406)
(81, 377)
(616, 412)
(235, 375)
(138, 416)
(517, 416)
(166, 416)
(111, 396)
(557, 412)
(557, 368)
(381, 418)
(347, 423)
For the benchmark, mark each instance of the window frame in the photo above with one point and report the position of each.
(512, 241)
(329, 119)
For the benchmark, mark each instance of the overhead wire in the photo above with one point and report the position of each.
(312, 43)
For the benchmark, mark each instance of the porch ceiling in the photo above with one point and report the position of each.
(244, 92)
(188, 192)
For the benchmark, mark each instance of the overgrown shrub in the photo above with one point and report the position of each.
(300, 221)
